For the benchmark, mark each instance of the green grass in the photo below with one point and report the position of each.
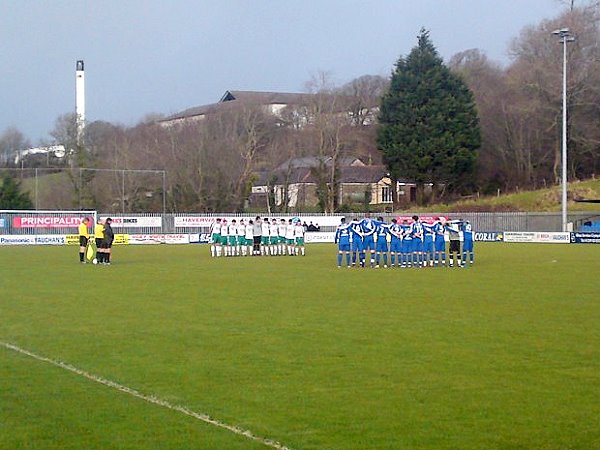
(541, 200)
(505, 355)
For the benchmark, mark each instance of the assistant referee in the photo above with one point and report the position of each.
(84, 237)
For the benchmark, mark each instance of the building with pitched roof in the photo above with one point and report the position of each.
(294, 183)
(274, 102)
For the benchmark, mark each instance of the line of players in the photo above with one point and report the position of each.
(257, 237)
(409, 244)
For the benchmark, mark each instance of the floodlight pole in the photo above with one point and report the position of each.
(565, 36)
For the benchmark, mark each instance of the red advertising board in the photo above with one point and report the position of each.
(425, 219)
(47, 222)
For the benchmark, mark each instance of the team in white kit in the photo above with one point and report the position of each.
(259, 237)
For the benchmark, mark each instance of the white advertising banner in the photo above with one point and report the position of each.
(554, 237)
(136, 222)
(146, 239)
(17, 239)
(177, 238)
(194, 221)
(519, 236)
(537, 237)
(51, 240)
(317, 236)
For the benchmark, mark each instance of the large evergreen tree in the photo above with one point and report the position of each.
(11, 196)
(429, 130)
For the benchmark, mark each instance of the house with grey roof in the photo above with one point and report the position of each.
(294, 183)
(274, 102)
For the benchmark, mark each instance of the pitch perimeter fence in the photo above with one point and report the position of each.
(170, 223)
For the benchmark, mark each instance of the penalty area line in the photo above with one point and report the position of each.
(148, 398)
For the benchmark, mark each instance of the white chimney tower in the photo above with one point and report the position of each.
(80, 100)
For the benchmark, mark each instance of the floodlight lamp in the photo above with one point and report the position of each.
(562, 32)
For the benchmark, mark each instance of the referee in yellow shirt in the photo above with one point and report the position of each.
(99, 237)
(84, 236)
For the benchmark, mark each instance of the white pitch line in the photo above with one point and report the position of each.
(148, 398)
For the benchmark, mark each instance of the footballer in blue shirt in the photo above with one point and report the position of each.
(342, 238)
(440, 242)
(467, 231)
(428, 249)
(356, 242)
(395, 230)
(406, 246)
(367, 228)
(416, 231)
(381, 244)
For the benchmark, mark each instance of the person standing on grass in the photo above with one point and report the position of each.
(367, 228)
(454, 250)
(232, 233)
(241, 238)
(264, 239)
(381, 243)
(224, 237)
(395, 242)
(84, 236)
(281, 241)
(274, 236)
(107, 241)
(215, 232)
(99, 237)
(439, 242)
(250, 242)
(289, 236)
(357, 243)
(299, 235)
(256, 236)
(417, 235)
(467, 231)
(407, 244)
(342, 239)
(428, 247)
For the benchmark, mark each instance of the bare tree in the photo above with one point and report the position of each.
(328, 115)
(364, 94)
(11, 141)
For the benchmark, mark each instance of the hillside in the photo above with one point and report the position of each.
(542, 200)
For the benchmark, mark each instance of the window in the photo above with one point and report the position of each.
(386, 194)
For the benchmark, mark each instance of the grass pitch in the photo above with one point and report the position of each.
(505, 355)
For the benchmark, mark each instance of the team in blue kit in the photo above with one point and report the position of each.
(369, 242)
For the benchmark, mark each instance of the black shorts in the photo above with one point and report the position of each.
(106, 244)
(454, 246)
(99, 242)
(83, 241)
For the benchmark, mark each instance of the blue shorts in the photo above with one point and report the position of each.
(382, 246)
(368, 243)
(345, 247)
(468, 245)
(428, 245)
(396, 246)
(417, 245)
(406, 246)
(357, 245)
(440, 244)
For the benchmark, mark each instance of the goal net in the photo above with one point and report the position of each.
(22, 227)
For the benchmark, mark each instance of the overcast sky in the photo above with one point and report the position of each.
(163, 56)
